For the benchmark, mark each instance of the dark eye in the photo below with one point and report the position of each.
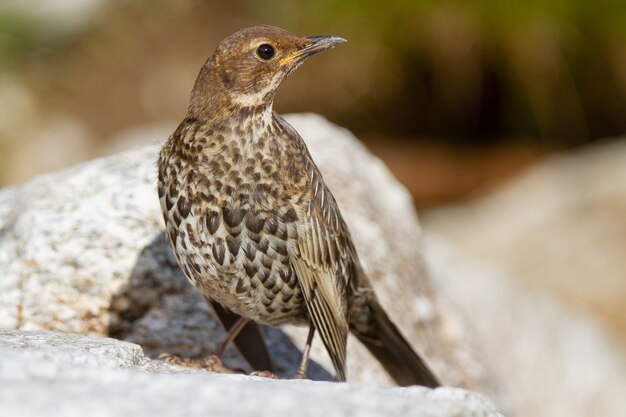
(265, 51)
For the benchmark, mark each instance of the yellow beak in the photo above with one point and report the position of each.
(320, 43)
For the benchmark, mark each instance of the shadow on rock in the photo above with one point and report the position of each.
(160, 311)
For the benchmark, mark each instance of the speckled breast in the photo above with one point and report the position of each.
(232, 231)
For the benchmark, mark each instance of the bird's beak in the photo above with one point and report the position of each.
(319, 44)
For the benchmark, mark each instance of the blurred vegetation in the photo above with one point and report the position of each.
(483, 85)
(554, 69)
(481, 70)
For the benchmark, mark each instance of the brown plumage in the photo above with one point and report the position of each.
(250, 219)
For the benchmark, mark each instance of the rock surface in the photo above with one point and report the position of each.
(548, 361)
(560, 227)
(82, 251)
(51, 374)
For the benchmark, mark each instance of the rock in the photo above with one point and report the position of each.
(82, 251)
(548, 361)
(560, 227)
(51, 374)
(67, 349)
(557, 230)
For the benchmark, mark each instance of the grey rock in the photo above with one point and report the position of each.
(82, 251)
(67, 348)
(559, 227)
(548, 360)
(39, 378)
(556, 233)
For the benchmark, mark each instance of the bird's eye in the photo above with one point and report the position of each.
(265, 51)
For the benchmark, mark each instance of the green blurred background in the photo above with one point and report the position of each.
(454, 95)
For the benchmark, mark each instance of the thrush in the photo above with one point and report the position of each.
(251, 221)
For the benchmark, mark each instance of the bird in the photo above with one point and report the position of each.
(252, 223)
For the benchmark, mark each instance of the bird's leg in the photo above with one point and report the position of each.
(231, 335)
(213, 362)
(304, 363)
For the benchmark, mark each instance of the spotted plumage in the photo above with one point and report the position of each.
(248, 215)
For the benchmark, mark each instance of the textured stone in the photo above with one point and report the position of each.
(43, 373)
(68, 348)
(559, 227)
(82, 251)
(548, 361)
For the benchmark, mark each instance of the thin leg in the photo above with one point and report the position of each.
(249, 341)
(304, 363)
(213, 362)
(231, 335)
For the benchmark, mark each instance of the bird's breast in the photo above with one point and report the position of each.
(232, 224)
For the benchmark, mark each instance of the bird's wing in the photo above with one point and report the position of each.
(323, 264)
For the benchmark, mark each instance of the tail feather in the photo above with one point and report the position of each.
(386, 343)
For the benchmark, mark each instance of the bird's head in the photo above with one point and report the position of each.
(247, 67)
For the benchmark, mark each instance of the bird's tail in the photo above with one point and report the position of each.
(383, 339)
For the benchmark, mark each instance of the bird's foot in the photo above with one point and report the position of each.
(211, 363)
(300, 374)
(264, 374)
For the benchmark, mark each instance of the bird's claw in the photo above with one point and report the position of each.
(264, 374)
(300, 375)
(211, 363)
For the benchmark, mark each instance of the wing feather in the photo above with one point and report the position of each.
(321, 262)
(332, 327)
